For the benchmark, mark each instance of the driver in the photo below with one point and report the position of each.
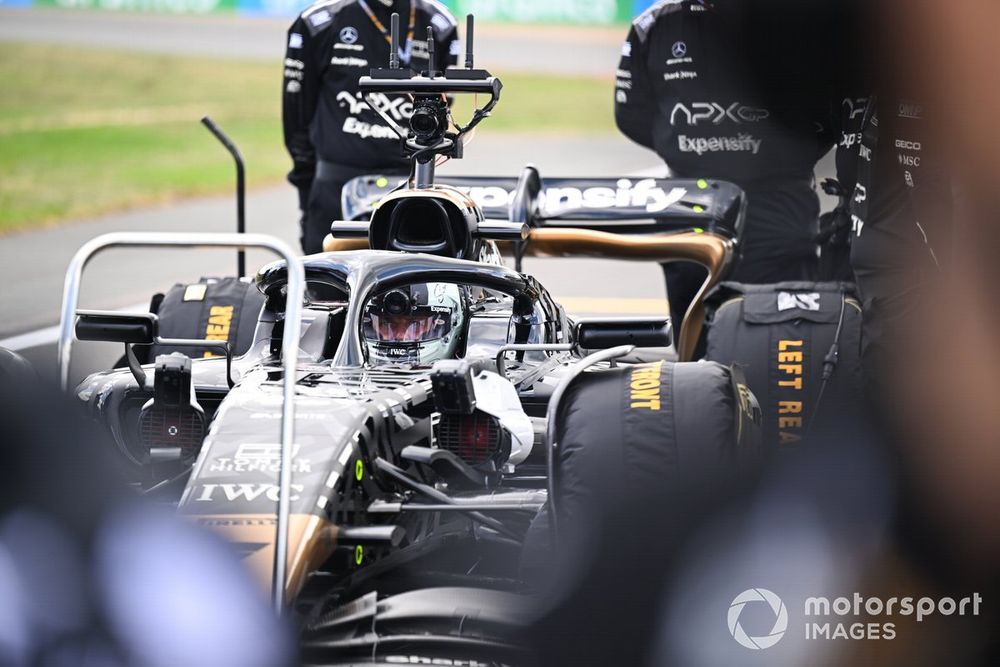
(682, 91)
(417, 324)
(330, 132)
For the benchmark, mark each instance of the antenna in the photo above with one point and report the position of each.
(394, 41)
(470, 22)
(430, 51)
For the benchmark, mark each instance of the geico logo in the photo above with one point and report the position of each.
(644, 194)
(400, 108)
(715, 113)
(908, 145)
(644, 385)
(790, 364)
(247, 492)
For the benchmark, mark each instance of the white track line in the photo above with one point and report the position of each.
(50, 335)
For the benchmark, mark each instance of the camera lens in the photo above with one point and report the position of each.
(424, 122)
(397, 302)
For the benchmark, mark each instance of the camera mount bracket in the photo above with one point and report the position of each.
(428, 135)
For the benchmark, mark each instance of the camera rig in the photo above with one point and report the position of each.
(429, 134)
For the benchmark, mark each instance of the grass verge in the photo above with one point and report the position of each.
(85, 131)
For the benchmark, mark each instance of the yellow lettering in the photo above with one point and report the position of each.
(787, 357)
(645, 393)
(791, 384)
(642, 385)
(783, 345)
(791, 369)
(651, 405)
(789, 407)
(789, 422)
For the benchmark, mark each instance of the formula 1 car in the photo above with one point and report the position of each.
(434, 394)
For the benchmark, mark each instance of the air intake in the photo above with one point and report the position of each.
(475, 438)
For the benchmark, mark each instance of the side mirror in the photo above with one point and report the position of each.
(112, 327)
(606, 333)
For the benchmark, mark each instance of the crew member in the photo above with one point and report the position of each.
(330, 131)
(901, 211)
(682, 91)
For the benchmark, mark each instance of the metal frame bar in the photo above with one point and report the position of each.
(289, 344)
(528, 347)
(552, 412)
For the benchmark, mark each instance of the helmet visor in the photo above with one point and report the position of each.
(419, 325)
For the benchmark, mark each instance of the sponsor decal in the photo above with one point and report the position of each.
(236, 522)
(259, 458)
(865, 153)
(860, 193)
(908, 176)
(444, 662)
(627, 50)
(854, 106)
(348, 61)
(743, 143)
(368, 130)
(244, 492)
(857, 224)
(909, 145)
(643, 194)
(679, 49)
(713, 112)
(909, 160)
(680, 75)
(349, 35)
(910, 110)
(348, 47)
(294, 64)
(780, 619)
(790, 364)
(621, 97)
(644, 387)
(320, 18)
(399, 107)
(848, 139)
(220, 321)
(293, 87)
(623, 85)
(623, 74)
(293, 74)
(195, 292)
(294, 41)
(798, 300)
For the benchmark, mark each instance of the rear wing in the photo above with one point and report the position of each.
(615, 205)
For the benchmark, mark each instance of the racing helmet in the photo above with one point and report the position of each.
(416, 324)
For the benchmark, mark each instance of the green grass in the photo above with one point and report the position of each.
(85, 131)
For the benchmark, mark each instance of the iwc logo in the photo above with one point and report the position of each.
(780, 618)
